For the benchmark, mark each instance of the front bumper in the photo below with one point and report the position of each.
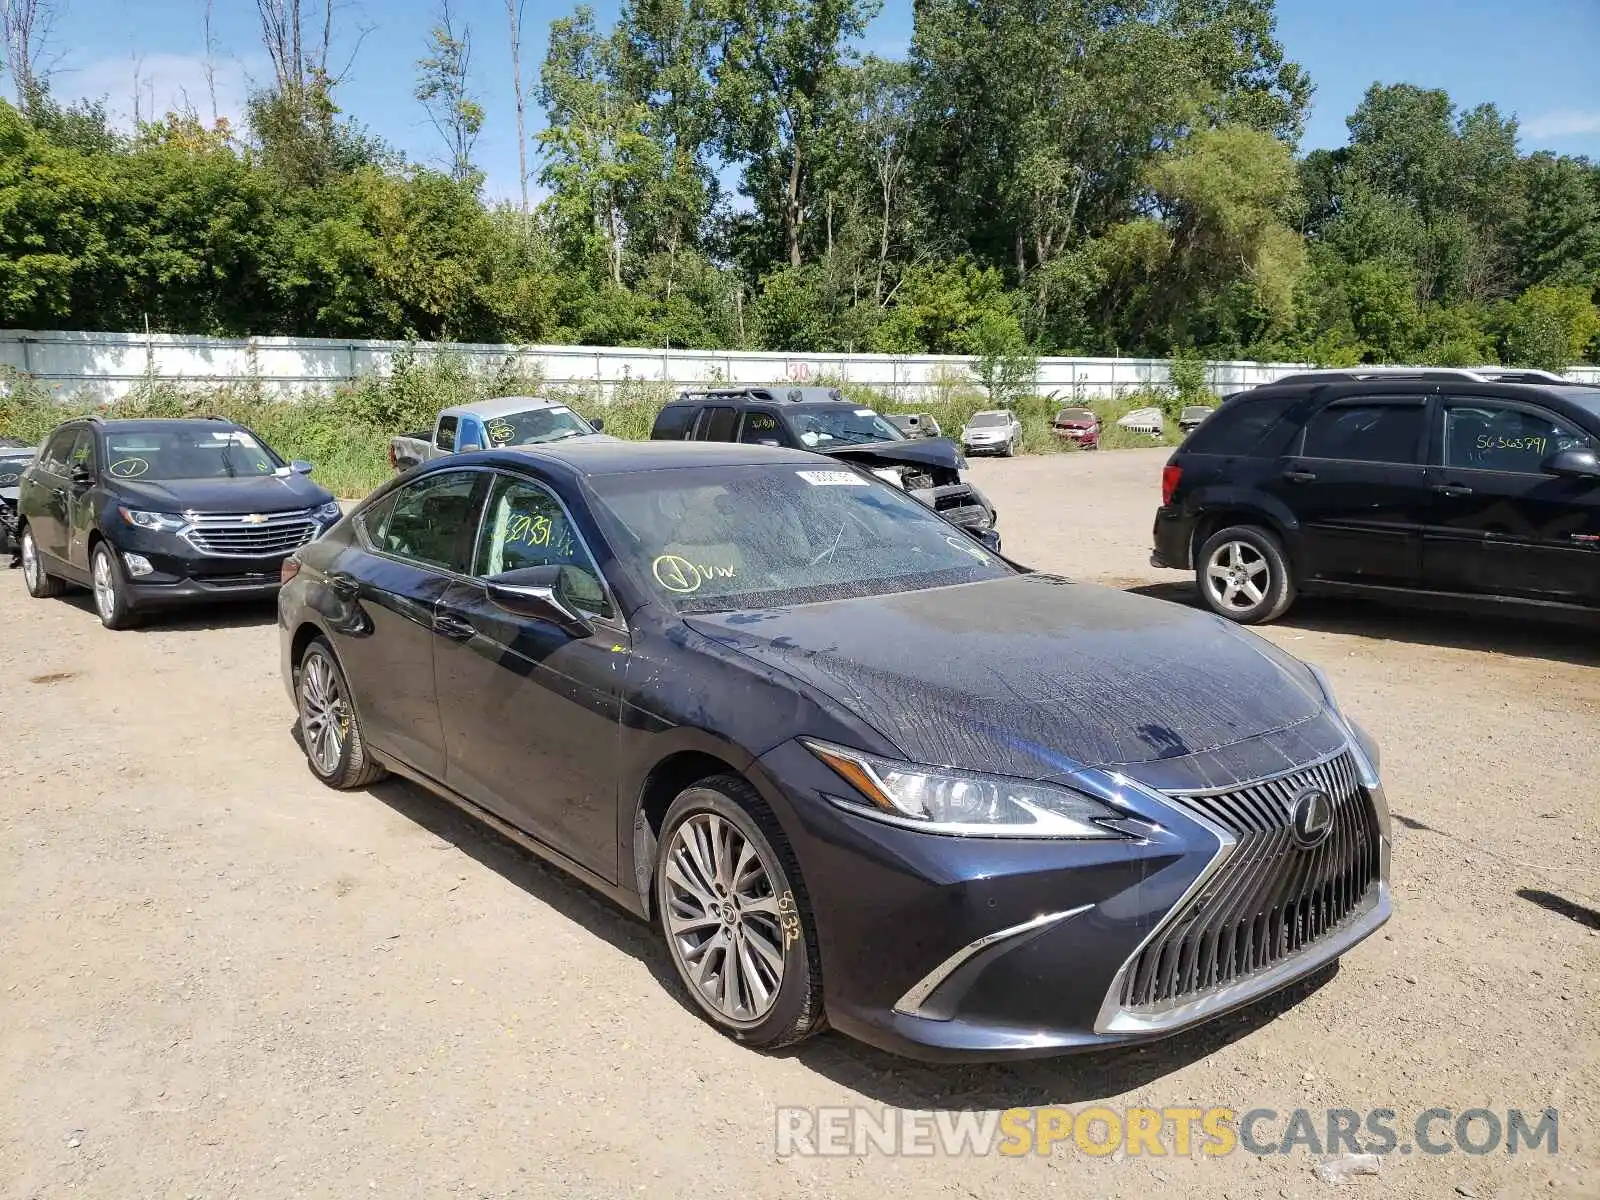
(942, 948)
(182, 575)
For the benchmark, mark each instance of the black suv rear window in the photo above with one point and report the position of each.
(1238, 426)
(673, 421)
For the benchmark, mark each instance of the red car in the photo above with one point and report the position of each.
(1078, 425)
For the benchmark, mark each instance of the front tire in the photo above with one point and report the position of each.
(330, 731)
(40, 583)
(736, 916)
(1243, 575)
(111, 601)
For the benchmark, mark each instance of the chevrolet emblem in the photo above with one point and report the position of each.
(254, 519)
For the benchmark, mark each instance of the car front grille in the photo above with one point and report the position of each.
(1272, 899)
(250, 535)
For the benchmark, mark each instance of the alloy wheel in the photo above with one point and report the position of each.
(323, 714)
(1238, 576)
(30, 561)
(105, 587)
(723, 918)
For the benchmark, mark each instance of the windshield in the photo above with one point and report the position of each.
(841, 425)
(1074, 414)
(980, 420)
(204, 453)
(712, 539)
(535, 426)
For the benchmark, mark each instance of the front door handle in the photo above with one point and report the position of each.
(1294, 475)
(1452, 489)
(453, 627)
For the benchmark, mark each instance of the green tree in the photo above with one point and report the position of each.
(444, 89)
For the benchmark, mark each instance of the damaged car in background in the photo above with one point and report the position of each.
(824, 421)
(15, 456)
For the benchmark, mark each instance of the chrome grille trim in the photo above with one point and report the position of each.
(1264, 911)
(227, 535)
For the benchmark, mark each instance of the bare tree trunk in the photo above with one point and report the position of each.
(522, 129)
(829, 220)
(211, 64)
(883, 241)
(1022, 258)
(25, 29)
(791, 207)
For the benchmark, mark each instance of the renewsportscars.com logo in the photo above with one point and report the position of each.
(1158, 1132)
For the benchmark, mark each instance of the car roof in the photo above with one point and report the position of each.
(153, 424)
(621, 457)
(788, 396)
(499, 406)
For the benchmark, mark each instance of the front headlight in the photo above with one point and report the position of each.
(328, 513)
(156, 522)
(960, 802)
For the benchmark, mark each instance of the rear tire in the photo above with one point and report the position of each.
(1243, 575)
(736, 917)
(40, 583)
(330, 731)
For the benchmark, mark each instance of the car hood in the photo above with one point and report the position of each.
(1034, 675)
(923, 452)
(255, 493)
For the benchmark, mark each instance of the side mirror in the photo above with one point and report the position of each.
(1572, 464)
(536, 592)
(598, 423)
(82, 476)
(300, 467)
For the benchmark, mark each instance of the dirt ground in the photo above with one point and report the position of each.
(219, 979)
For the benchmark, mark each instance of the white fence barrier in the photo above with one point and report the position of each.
(107, 365)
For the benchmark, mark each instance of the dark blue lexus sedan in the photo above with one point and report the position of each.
(861, 770)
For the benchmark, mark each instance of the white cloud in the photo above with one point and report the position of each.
(164, 83)
(1568, 122)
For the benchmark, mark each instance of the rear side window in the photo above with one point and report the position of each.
(716, 424)
(672, 422)
(1382, 433)
(446, 437)
(761, 428)
(1238, 427)
(423, 521)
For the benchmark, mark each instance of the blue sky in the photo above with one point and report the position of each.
(1534, 58)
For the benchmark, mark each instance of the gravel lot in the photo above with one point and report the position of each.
(219, 979)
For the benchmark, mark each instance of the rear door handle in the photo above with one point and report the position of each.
(453, 627)
(1296, 476)
(1452, 489)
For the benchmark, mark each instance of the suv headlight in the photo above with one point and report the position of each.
(959, 802)
(156, 522)
(327, 513)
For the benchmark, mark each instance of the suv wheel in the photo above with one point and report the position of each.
(736, 919)
(39, 582)
(111, 601)
(1244, 576)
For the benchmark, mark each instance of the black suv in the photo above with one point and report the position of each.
(822, 421)
(148, 513)
(1466, 488)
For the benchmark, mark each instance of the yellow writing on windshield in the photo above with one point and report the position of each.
(129, 468)
(678, 574)
(500, 432)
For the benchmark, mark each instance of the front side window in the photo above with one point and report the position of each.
(710, 539)
(83, 451)
(423, 521)
(1379, 433)
(527, 527)
(58, 452)
(761, 428)
(1485, 436)
(446, 439)
(198, 452)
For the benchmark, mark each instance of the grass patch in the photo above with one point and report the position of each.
(345, 433)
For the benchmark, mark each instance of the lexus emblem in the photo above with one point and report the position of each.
(1311, 818)
(254, 519)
